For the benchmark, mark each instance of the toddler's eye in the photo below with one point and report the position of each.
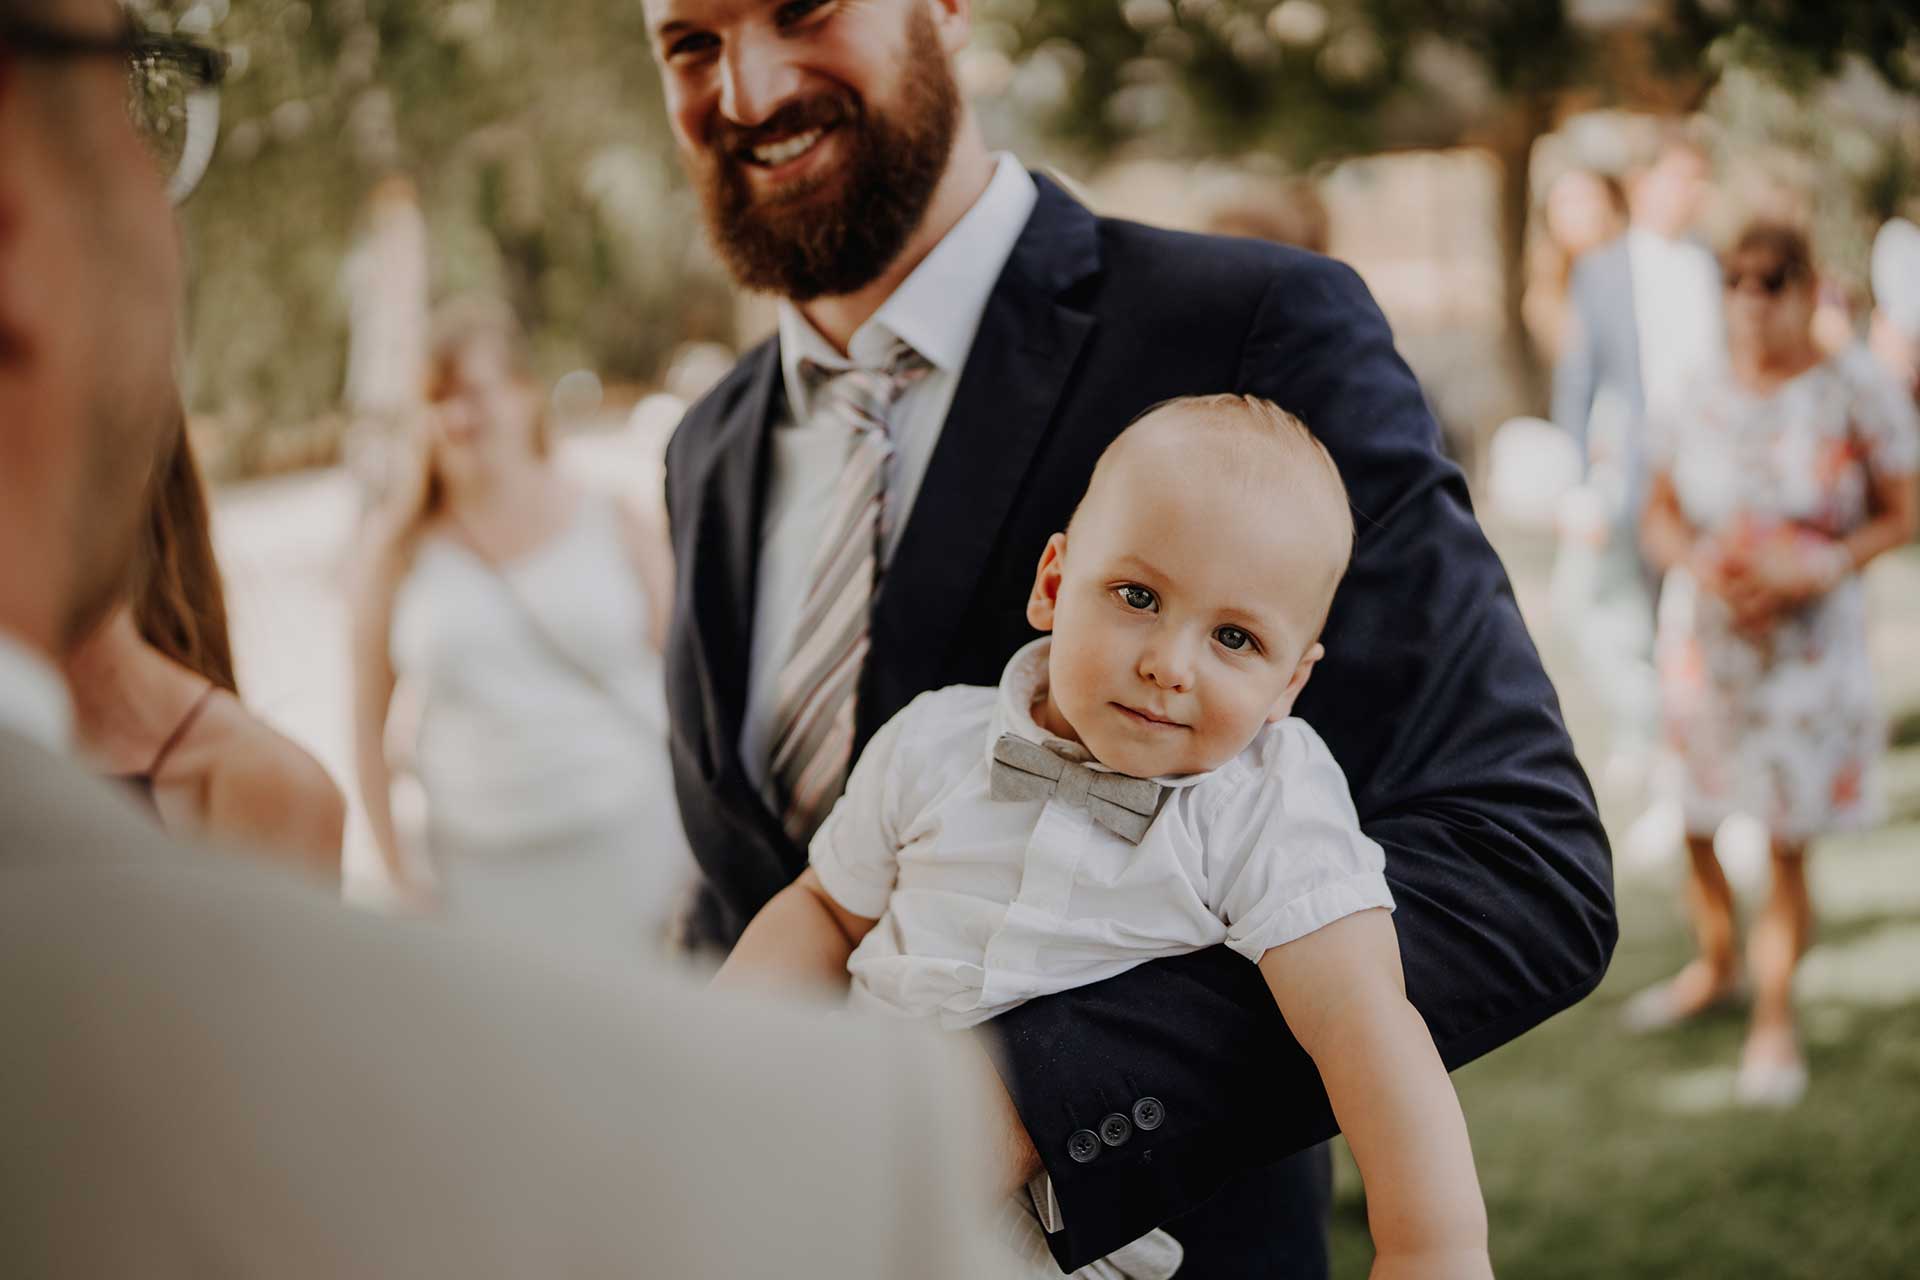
(1233, 638)
(1136, 597)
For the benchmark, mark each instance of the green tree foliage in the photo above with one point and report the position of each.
(536, 136)
(1311, 79)
(1306, 79)
(1315, 80)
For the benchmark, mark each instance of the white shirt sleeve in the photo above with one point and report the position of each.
(1285, 853)
(856, 850)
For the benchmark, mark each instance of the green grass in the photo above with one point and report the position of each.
(1604, 1155)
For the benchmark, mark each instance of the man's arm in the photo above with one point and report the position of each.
(1434, 702)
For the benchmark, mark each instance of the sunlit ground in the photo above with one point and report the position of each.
(1604, 1155)
(1601, 1155)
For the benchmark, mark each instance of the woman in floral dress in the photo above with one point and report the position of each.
(1777, 480)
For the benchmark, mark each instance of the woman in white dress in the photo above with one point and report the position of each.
(526, 616)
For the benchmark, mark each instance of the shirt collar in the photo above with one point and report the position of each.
(1021, 685)
(33, 697)
(936, 310)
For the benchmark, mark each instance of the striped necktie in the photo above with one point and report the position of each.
(814, 698)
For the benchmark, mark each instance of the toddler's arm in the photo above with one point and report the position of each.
(1342, 993)
(801, 937)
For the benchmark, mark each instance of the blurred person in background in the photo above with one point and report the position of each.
(1583, 210)
(1645, 317)
(384, 280)
(528, 617)
(1894, 333)
(1777, 479)
(157, 708)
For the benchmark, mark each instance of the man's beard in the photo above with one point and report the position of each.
(802, 245)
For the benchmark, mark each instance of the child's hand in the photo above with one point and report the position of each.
(1462, 1264)
(1341, 991)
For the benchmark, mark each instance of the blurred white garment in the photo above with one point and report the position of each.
(1531, 467)
(1600, 604)
(1676, 308)
(1896, 275)
(541, 745)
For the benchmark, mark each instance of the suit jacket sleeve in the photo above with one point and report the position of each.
(1433, 700)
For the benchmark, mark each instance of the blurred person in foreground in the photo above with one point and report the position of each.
(1777, 480)
(212, 1067)
(855, 510)
(156, 707)
(1645, 317)
(1894, 333)
(528, 617)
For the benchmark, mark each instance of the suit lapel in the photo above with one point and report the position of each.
(726, 560)
(1023, 354)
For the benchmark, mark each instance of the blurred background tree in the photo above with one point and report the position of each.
(536, 137)
(1312, 81)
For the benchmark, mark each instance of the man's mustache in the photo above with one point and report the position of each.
(823, 111)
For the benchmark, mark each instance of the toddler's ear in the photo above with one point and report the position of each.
(1284, 707)
(1046, 583)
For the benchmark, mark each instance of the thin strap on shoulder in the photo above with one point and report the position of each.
(180, 730)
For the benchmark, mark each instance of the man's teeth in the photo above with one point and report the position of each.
(777, 153)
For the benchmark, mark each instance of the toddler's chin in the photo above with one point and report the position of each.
(1129, 758)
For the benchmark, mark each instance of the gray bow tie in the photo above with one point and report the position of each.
(1025, 771)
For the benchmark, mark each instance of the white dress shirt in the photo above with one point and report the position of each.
(33, 697)
(983, 904)
(1676, 311)
(936, 310)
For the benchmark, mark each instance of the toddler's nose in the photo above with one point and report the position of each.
(1168, 666)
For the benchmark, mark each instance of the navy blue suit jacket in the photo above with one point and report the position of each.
(1431, 695)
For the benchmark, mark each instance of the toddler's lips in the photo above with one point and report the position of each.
(1147, 717)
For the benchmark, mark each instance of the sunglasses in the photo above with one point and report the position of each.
(173, 90)
(1772, 282)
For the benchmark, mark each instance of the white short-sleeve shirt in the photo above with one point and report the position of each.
(983, 904)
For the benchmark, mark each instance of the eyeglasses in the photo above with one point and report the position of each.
(173, 90)
(1771, 283)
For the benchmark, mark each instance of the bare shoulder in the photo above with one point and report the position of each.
(263, 789)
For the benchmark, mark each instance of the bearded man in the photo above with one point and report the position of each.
(856, 514)
(214, 1068)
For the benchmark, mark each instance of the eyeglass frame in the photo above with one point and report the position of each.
(1772, 282)
(207, 65)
